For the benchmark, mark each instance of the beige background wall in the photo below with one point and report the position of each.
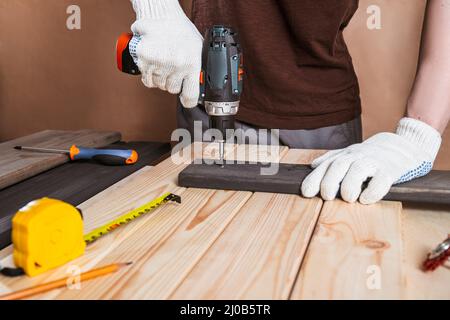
(51, 77)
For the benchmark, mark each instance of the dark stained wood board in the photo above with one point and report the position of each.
(73, 182)
(433, 188)
(17, 165)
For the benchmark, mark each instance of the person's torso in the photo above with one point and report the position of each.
(299, 72)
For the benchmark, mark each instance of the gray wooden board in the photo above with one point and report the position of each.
(17, 165)
(73, 182)
(433, 188)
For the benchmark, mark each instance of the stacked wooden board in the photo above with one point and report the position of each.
(18, 165)
(234, 244)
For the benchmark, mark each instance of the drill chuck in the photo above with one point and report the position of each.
(222, 108)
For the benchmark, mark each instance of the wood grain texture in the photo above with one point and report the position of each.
(226, 244)
(73, 182)
(352, 245)
(130, 193)
(137, 188)
(301, 156)
(160, 261)
(424, 228)
(259, 254)
(158, 276)
(17, 165)
(198, 221)
(258, 153)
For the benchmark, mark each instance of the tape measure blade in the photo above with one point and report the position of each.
(130, 216)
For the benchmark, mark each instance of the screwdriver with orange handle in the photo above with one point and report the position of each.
(110, 157)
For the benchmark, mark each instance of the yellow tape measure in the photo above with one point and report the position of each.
(130, 216)
(48, 233)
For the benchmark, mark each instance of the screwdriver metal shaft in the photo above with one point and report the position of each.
(45, 150)
(221, 150)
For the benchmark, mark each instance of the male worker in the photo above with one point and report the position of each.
(300, 79)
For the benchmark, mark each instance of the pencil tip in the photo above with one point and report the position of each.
(18, 147)
(128, 263)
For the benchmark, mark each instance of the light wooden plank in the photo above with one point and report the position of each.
(5, 252)
(138, 188)
(258, 255)
(258, 153)
(164, 248)
(424, 228)
(17, 165)
(130, 193)
(122, 197)
(302, 156)
(352, 245)
(158, 276)
(71, 182)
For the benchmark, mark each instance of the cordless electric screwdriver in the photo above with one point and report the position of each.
(221, 78)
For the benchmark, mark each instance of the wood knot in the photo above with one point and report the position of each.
(376, 244)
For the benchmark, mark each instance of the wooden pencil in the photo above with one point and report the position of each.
(41, 288)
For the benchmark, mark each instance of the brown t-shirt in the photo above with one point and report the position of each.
(299, 73)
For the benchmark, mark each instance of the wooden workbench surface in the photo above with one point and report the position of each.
(241, 245)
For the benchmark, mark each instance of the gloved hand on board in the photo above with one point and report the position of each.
(386, 158)
(168, 49)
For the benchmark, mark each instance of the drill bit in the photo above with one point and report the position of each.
(221, 151)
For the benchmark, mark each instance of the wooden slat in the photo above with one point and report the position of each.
(5, 252)
(158, 275)
(136, 189)
(258, 153)
(424, 228)
(303, 156)
(73, 182)
(258, 255)
(163, 247)
(352, 243)
(165, 264)
(174, 246)
(17, 165)
(130, 193)
(122, 197)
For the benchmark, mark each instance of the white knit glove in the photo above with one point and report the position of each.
(386, 158)
(169, 50)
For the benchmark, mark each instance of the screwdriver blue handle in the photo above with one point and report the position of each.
(111, 157)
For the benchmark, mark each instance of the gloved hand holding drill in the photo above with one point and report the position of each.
(170, 49)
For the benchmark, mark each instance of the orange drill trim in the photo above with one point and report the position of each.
(121, 46)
